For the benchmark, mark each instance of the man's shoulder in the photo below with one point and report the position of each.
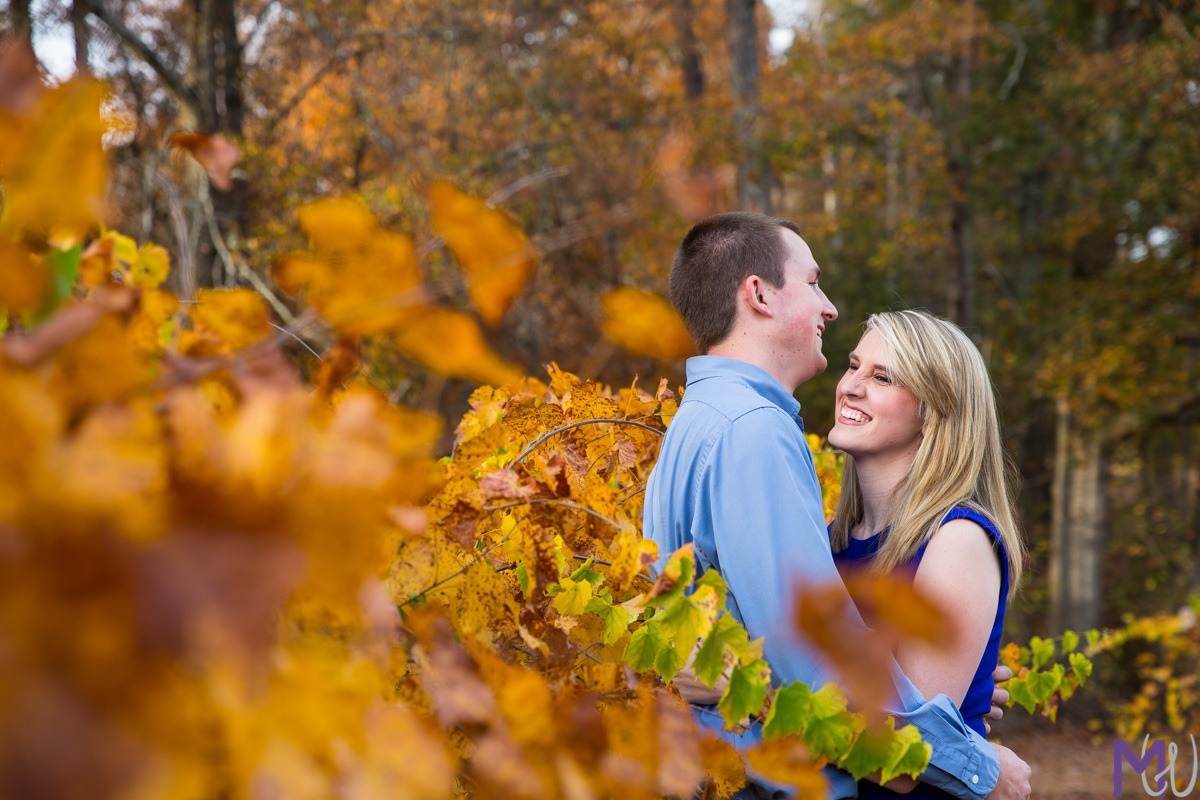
(729, 398)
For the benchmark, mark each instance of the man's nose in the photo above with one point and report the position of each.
(828, 310)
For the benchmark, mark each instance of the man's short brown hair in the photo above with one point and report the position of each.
(712, 261)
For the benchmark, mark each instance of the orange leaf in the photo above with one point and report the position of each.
(337, 224)
(451, 343)
(213, 152)
(786, 760)
(860, 656)
(723, 764)
(694, 195)
(22, 279)
(297, 273)
(679, 751)
(645, 324)
(892, 604)
(489, 246)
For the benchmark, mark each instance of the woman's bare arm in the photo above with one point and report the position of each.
(960, 572)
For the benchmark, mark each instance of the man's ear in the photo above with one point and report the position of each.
(755, 295)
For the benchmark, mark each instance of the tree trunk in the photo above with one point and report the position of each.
(960, 286)
(22, 21)
(683, 15)
(754, 174)
(1077, 529)
(215, 73)
(82, 37)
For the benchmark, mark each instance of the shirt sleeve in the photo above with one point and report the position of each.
(763, 511)
(963, 763)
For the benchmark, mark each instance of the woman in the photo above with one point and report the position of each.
(924, 493)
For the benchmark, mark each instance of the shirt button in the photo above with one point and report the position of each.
(974, 779)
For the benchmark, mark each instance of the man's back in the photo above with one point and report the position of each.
(735, 477)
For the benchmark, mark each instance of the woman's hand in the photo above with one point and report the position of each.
(693, 690)
(696, 692)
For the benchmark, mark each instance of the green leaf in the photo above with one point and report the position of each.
(831, 727)
(683, 569)
(873, 749)
(789, 711)
(523, 579)
(1092, 638)
(573, 597)
(670, 660)
(1018, 692)
(683, 623)
(616, 619)
(643, 647)
(712, 579)
(915, 757)
(726, 636)
(747, 691)
(1070, 641)
(586, 573)
(1081, 665)
(1043, 684)
(64, 266)
(1043, 651)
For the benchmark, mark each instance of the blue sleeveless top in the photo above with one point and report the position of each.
(978, 700)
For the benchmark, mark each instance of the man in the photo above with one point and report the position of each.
(736, 478)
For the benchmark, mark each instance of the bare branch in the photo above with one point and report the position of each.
(548, 434)
(173, 82)
(233, 268)
(523, 183)
(553, 501)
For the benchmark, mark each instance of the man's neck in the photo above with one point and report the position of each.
(736, 346)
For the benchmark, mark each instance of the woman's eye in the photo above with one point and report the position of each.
(883, 379)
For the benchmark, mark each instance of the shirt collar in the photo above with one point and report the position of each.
(702, 367)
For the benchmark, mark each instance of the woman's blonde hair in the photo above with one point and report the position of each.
(960, 460)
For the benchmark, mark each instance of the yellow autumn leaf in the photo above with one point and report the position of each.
(646, 324)
(573, 598)
(229, 319)
(155, 307)
(451, 343)
(492, 250)
(52, 164)
(378, 287)
(149, 269)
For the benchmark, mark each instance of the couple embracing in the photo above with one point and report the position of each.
(923, 488)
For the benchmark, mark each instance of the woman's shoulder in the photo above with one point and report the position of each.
(968, 521)
(967, 540)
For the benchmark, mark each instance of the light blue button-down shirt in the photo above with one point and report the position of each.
(735, 477)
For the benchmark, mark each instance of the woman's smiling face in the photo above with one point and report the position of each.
(875, 415)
